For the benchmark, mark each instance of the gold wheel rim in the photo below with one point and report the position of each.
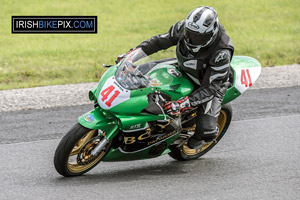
(221, 125)
(73, 166)
(82, 142)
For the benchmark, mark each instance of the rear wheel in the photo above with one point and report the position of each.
(184, 153)
(73, 155)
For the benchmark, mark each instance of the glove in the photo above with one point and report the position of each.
(179, 106)
(120, 57)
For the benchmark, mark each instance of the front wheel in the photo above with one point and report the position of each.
(184, 153)
(73, 155)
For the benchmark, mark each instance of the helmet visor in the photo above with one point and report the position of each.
(194, 38)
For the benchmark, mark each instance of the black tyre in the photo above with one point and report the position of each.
(73, 154)
(184, 153)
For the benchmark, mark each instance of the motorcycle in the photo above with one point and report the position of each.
(129, 123)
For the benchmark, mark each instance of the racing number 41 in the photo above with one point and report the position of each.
(244, 80)
(106, 92)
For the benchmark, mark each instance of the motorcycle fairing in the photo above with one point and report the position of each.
(112, 94)
(127, 114)
(246, 72)
(99, 119)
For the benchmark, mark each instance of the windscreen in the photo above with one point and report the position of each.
(131, 74)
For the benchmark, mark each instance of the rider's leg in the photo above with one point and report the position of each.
(206, 122)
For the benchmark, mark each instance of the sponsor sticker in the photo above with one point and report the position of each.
(136, 126)
(89, 118)
(155, 83)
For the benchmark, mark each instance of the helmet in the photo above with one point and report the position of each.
(201, 28)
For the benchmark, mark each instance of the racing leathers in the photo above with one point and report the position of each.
(208, 68)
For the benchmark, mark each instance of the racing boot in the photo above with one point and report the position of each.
(198, 140)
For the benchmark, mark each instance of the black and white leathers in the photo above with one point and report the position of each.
(208, 68)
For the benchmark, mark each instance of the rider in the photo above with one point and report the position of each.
(204, 52)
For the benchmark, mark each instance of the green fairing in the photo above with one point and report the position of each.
(99, 119)
(174, 87)
(92, 94)
(231, 94)
(109, 124)
(240, 62)
(140, 119)
(127, 115)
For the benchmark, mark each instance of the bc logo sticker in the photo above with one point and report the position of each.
(89, 118)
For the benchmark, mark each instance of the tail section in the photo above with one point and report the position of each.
(246, 72)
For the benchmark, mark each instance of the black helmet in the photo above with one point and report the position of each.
(201, 28)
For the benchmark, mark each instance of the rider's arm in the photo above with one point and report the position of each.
(163, 41)
(216, 74)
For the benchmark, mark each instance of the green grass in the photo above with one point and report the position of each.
(267, 30)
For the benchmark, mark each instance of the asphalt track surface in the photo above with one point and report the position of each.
(258, 158)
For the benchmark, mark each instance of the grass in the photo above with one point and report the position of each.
(267, 30)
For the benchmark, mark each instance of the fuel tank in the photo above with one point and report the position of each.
(171, 81)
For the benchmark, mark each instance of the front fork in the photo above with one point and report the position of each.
(100, 146)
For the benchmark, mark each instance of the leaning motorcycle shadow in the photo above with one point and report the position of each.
(118, 172)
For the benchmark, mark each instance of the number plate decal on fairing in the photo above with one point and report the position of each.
(112, 94)
(245, 77)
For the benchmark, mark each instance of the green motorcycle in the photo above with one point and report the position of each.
(129, 123)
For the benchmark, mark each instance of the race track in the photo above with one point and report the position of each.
(258, 158)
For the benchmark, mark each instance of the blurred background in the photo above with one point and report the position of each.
(267, 30)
